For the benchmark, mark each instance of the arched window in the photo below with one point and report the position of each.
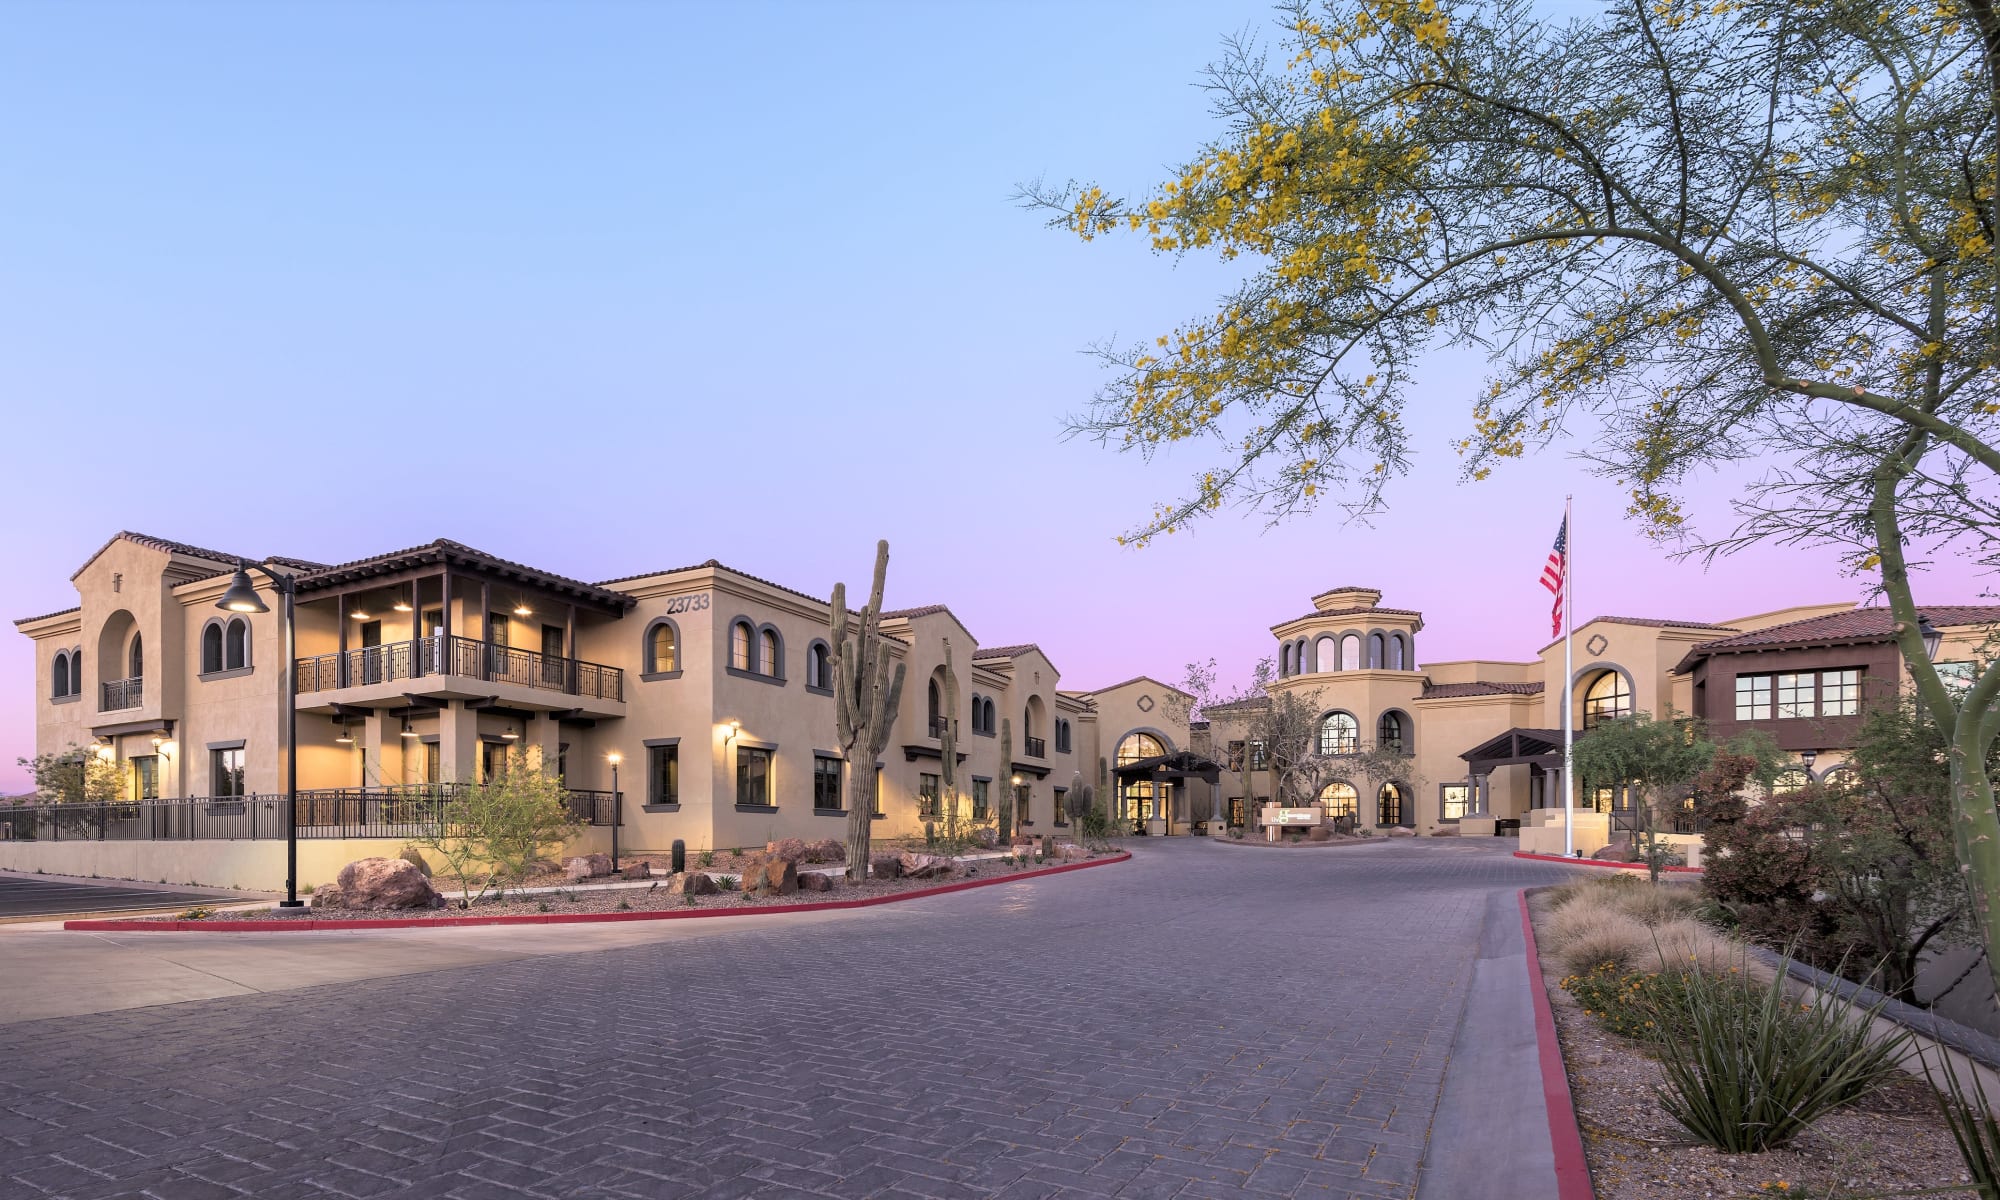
(770, 653)
(1398, 657)
(1608, 698)
(1378, 652)
(978, 714)
(1339, 733)
(1389, 805)
(1341, 800)
(136, 659)
(934, 700)
(991, 720)
(236, 645)
(740, 635)
(819, 667)
(211, 647)
(1390, 732)
(1062, 736)
(1350, 652)
(1791, 779)
(662, 648)
(59, 680)
(1136, 796)
(1027, 720)
(1284, 660)
(1324, 654)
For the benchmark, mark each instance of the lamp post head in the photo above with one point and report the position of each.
(1933, 639)
(614, 758)
(242, 595)
(1808, 757)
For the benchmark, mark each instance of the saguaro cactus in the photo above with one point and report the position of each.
(867, 691)
(948, 748)
(1006, 780)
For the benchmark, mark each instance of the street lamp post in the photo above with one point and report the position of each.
(617, 807)
(242, 597)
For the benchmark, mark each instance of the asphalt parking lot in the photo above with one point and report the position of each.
(33, 896)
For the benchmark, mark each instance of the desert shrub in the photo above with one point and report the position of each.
(1634, 1004)
(1680, 945)
(1753, 1068)
(1584, 936)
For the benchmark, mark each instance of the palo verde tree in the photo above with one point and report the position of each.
(1691, 232)
(867, 693)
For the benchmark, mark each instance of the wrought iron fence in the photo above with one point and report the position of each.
(463, 657)
(386, 812)
(1034, 747)
(121, 693)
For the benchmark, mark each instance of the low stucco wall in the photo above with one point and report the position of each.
(235, 865)
(1542, 831)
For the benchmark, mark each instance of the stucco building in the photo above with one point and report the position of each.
(709, 690)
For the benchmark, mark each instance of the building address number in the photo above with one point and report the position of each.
(686, 604)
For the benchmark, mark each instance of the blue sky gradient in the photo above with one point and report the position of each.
(613, 287)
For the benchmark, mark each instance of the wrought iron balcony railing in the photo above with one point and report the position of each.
(122, 693)
(461, 657)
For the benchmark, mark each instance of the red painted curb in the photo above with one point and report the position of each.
(313, 924)
(1598, 862)
(1565, 1138)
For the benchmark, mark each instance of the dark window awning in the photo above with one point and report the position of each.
(1542, 747)
(1184, 765)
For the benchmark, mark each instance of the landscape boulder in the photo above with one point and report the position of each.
(375, 884)
(691, 883)
(1070, 852)
(923, 866)
(638, 870)
(884, 866)
(587, 866)
(1613, 853)
(815, 881)
(778, 877)
(1401, 831)
(1320, 833)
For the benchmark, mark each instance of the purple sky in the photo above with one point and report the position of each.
(617, 287)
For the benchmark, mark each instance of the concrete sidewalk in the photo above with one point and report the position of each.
(1490, 1135)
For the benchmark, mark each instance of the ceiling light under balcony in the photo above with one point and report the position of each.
(343, 738)
(510, 735)
(407, 731)
(522, 610)
(359, 614)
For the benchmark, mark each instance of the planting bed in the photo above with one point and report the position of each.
(1889, 1142)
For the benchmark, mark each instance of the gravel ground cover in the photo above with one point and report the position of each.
(656, 898)
(1891, 1142)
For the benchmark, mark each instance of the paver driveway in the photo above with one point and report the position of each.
(1202, 1020)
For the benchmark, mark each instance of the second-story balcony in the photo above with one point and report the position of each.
(1035, 747)
(121, 694)
(457, 660)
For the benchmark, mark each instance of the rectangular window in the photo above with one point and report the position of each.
(430, 762)
(1795, 694)
(225, 772)
(1062, 818)
(1840, 691)
(875, 804)
(1235, 756)
(980, 802)
(146, 777)
(1753, 697)
(496, 628)
(928, 787)
(753, 777)
(1453, 800)
(1024, 810)
(826, 784)
(663, 782)
(1259, 760)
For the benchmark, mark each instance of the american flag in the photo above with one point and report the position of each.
(1553, 573)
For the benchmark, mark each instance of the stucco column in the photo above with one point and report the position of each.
(376, 769)
(458, 743)
(545, 736)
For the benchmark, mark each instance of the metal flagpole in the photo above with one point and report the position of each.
(1568, 700)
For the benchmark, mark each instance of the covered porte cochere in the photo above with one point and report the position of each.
(1153, 793)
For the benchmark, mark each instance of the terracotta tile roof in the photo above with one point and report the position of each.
(1858, 625)
(1478, 687)
(1247, 704)
(1656, 623)
(922, 610)
(45, 616)
(1351, 612)
(169, 546)
(989, 653)
(717, 565)
(443, 550)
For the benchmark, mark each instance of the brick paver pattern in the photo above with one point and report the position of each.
(1200, 1021)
